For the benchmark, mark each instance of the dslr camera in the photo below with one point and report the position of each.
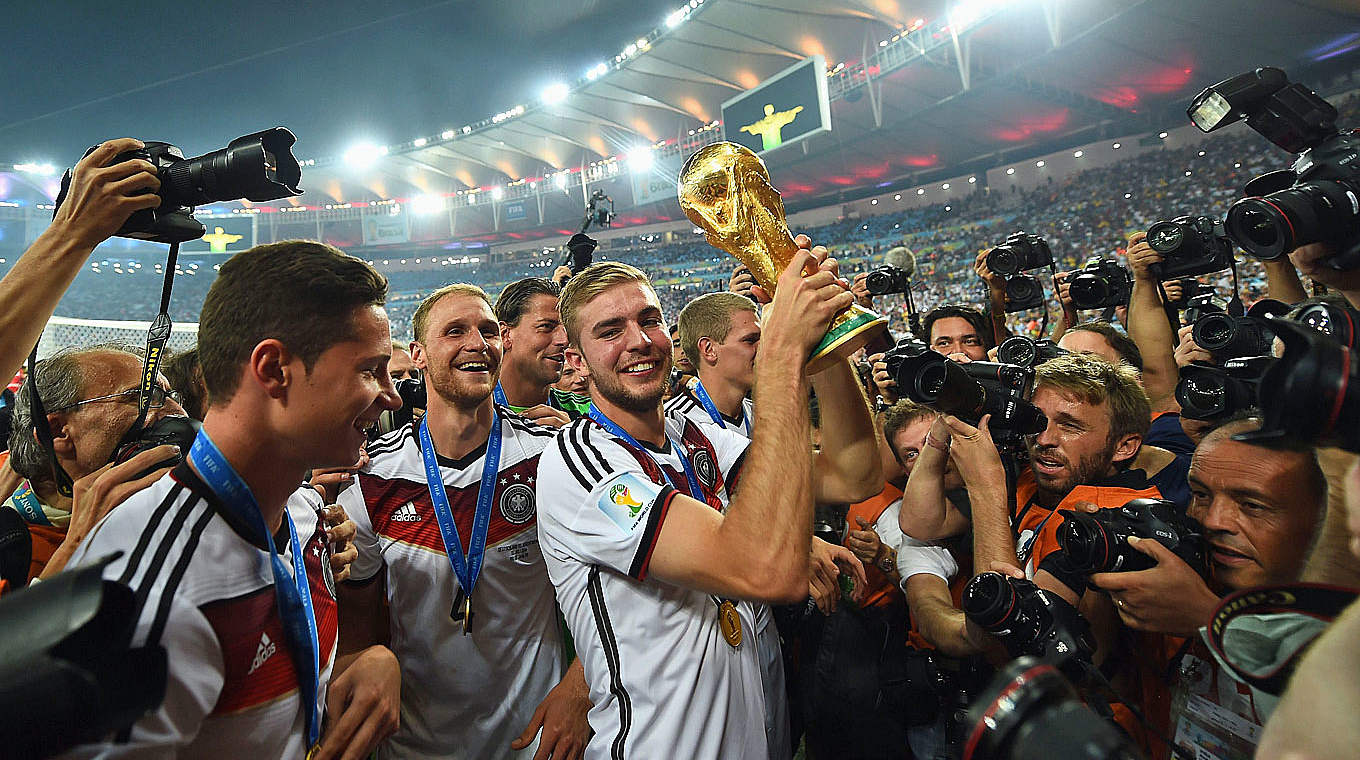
(1025, 351)
(1228, 336)
(258, 167)
(969, 391)
(1027, 619)
(1023, 292)
(1210, 392)
(887, 280)
(1310, 395)
(1100, 284)
(1099, 542)
(1200, 303)
(1020, 252)
(1189, 245)
(1315, 200)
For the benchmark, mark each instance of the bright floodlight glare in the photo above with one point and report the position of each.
(641, 159)
(1210, 113)
(597, 71)
(424, 205)
(45, 170)
(497, 193)
(362, 155)
(419, 142)
(555, 93)
(1011, 170)
(966, 13)
(560, 180)
(676, 18)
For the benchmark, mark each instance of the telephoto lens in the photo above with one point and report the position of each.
(1100, 284)
(1189, 245)
(1025, 351)
(1098, 542)
(1020, 253)
(1031, 711)
(1340, 323)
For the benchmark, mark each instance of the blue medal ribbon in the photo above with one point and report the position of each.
(707, 403)
(466, 569)
(695, 491)
(498, 395)
(26, 503)
(293, 593)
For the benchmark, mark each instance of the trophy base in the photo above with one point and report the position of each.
(850, 330)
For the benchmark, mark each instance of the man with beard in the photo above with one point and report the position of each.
(449, 569)
(658, 531)
(534, 341)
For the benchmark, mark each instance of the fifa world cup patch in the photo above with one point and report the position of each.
(626, 499)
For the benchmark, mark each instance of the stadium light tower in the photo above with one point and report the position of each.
(641, 159)
(363, 155)
(555, 93)
(425, 205)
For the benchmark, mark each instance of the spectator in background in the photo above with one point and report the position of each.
(401, 366)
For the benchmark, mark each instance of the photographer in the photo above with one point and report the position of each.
(90, 398)
(100, 200)
(401, 366)
(186, 377)
(1149, 327)
(1311, 260)
(956, 331)
(996, 296)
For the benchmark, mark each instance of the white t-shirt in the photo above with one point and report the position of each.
(663, 679)
(913, 556)
(778, 733)
(461, 696)
(205, 592)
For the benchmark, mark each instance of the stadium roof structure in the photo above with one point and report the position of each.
(919, 89)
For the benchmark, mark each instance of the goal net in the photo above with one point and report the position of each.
(66, 332)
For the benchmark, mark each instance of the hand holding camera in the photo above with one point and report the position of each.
(104, 194)
(1168, 597)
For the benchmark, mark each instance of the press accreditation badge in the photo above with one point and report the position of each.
(625, 499)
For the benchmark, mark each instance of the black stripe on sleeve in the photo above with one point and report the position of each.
(571, 465)
(582, 457)
(733, 475)
(611, 658)
(655, 516)
(144, 540)
(585, 438)
(172, 532)
(176, 575)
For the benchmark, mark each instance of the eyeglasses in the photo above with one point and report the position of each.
(157, 400)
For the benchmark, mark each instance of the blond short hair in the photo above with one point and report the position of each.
(422, 315)
(1094, 380)
(709, 316)
(591, 282)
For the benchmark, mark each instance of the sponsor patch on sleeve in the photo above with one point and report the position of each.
(626, 499)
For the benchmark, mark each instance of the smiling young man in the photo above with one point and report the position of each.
(226, 554)
(719, 334)
(449, 568)
(658, 532)
(534, 342)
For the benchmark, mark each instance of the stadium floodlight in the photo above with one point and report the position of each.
(1115, 146)
(560, 180)
(945, 186)
(419, 142)
(873, 202)
(968, 13)
(497, 193)
(641, 159)
(1010, 171)
(1078, 154)
(597, 71)
(897, 197)
(676, 18)
(972, 180)
(1040, 163)
(363, 155)
(425, 205)
(920, 191)
(555, 93)
(447, 134)
(1161, 135)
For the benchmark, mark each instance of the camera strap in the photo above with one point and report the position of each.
(156, 337)
(62, 479)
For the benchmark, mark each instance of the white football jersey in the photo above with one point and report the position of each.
(663, 679)
(462, 696)
(778, 733)
(205, 591)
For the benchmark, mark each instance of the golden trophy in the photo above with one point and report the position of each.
(725, 190)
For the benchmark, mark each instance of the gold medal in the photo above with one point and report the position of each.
(311, 753)
(467, 615)
(730, 622)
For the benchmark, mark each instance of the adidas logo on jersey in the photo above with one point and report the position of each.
(263, 652)
(406, 513)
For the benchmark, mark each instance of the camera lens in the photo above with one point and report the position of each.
(1214, 331)
(1085, 542)
(1201, 396)
(1088, 289)
(1022, 289)
(1018, 350)
(1003, 260)
(1165, 237)
(990, 600)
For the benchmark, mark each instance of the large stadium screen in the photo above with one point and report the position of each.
(789, 107)
(225, 234)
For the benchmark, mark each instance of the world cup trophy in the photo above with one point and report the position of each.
(725, 190)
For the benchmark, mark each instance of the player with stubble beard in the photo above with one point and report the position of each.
(659, 533)
(534, 342)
